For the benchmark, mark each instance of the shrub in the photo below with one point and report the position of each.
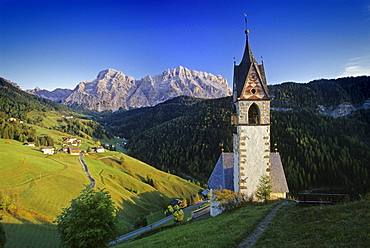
(90, 221)
(264, 188)
(227, 199)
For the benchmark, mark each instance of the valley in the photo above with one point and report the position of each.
(181, 138)
(44, 184)
(39, 185)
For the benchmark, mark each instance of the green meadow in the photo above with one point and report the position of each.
(342, 225)
(46, 183)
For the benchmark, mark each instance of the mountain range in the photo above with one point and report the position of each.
(113, 90)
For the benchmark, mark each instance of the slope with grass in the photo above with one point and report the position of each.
(225, 230)
(46, 183)
(343, 225)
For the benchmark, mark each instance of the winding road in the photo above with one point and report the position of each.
(143, 229)
(153, 225)
(92, 180)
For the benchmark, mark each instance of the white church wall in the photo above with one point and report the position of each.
(214, 206)
(254, 159)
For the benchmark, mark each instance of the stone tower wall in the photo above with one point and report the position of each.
(251, 148)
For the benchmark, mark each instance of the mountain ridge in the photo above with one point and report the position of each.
(112, 90)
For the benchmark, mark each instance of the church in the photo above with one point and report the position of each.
(240, 171)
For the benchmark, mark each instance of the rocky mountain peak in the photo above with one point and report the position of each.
(112, 89)
(109, 73)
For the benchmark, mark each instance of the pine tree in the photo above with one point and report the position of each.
(264, 188)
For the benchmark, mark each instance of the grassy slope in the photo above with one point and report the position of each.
(42, 197)
(225, 230)
(344, 225)
(46, 184)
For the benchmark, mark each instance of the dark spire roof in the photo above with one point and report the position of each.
(248, 56)
(241, 71)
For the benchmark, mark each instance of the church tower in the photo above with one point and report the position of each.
(251, 123)
(241, 170)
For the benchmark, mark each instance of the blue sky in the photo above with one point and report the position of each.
(50, 44)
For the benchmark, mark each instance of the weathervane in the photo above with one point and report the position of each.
(246, 23)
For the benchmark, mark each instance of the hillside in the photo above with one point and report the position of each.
(342, 225)
(324, 92)
(16, 103)
(317, 150)
(34, 187)
(21, 114)
(183, 135)
(44, 184)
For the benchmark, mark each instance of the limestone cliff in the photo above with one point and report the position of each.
(112, 90)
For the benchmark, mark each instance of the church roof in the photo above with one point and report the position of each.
(277, 175)
(242, 70)
(222, 176)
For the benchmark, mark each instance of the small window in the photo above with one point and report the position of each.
(253, 114)
(253, 91)
(233, 115)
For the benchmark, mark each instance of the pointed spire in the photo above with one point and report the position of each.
(247, 64)
(248, 56)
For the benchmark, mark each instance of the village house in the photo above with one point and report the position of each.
(68, 141)
(48, 149)
(240, 171)
(99, 149)
(175, 202)
(12, 119)
(31, 144)
(74, 150)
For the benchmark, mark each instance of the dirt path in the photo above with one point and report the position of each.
(251, 240)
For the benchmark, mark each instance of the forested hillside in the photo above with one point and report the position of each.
(325, 92)
(183, 135)
(18, 108)
(186, 137)
(16, 103)
(322, 151)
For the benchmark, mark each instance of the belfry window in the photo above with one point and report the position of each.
(233, 115)
(253, 114)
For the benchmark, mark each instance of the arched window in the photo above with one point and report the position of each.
(233, 115)
(253, 114)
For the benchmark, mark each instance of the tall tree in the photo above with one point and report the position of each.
(90, 221)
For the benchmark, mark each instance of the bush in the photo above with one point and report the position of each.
(264, 188)
(226, 198)
(178, 214)
(140, 221)
(90, 221)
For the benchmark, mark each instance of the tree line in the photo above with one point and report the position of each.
(186, 137)
(16, 104)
